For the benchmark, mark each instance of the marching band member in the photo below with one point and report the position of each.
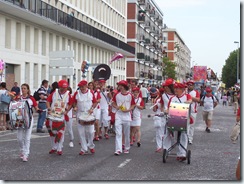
(69, 123)
(123, 102)
(181, 97)
(97, 110)
(136, 117)
(84, 102)
(195, 95)
(24, 135)
(57, 103)
(104, 105)
(159, 122)
(168, 86)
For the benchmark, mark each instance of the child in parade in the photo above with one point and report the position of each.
(135, 125)
(159, 122)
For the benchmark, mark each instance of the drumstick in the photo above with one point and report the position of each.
(153, 106)
(159, 115)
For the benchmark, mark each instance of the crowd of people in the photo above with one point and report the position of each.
(100, 108)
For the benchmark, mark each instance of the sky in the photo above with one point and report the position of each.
(208, 28)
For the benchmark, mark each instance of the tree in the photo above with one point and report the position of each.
(169, 68)
(229, 70)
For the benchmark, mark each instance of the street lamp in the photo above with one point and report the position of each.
(237, 65)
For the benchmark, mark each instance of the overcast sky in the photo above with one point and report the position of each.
(208, 27)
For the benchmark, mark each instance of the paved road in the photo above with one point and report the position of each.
(214, 157)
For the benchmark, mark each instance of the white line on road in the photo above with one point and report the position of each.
(124, 163)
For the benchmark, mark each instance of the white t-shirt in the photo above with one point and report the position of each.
(144, 92)
(136, 111)
(194, 105)
(208, 103)
(166, 98)
(125, 100)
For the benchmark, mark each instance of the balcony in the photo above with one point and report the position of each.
(50, 17)
(141, 18)
(155, 61)
(140, 56)
(141, 38)
(147, 58)
(152, 30)
(147, 25)
(147, 41)
(141, 2)
(160, 22)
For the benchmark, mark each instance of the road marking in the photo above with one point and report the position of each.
(124, 163)
(32, 137)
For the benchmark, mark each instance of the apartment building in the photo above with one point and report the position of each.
(31, 29)
(178, 52)
(145, 32)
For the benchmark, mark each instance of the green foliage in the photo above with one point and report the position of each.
(169, 68)
(229, 70)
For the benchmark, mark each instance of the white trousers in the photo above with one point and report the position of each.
(23, 137)
(104, 118)
(58, 145)
(159, 124)
(120, 128)
(159, 136)
(86, 134)
(69, 128)
(190, 128)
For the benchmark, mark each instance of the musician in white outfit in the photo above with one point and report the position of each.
(181, 97)
(123, 102)
(57, 103)
(159, 122)
(195, 95)
(24, 135)
(84, 103)
(168, 86)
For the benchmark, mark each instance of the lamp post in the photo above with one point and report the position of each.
(237, 65)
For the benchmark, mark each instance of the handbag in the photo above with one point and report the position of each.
(5, 98)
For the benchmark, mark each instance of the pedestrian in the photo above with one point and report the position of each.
(181, 97)
(42, 92)
(123, 102)
(168, 86)
(144, 93)
(224, 99)
(209, 102)
(58, 104)
(69, 123)
(135, 125)
(84, 103)
(16, 89)
(195, 100)
(235, 101)
(3, 107)
(97, 110)
(104, 106)
(54, 87)
(159, 122)
(23, 134)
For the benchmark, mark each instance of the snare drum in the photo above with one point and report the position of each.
(55, 118)
(86, 119)
(179, 116)
(20, 114)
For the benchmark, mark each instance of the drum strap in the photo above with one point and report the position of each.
(179, 99)
(105, 97)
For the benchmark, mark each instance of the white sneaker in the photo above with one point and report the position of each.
(126, 151)
(71, 144)
(25, 159)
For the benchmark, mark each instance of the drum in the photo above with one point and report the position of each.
(179, 116)
(86, 119)
(55, 118)
(20, 114)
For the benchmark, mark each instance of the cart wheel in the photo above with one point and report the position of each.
(165, 154)
(188, 156)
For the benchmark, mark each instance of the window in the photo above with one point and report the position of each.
(18, 36)
(8, 33)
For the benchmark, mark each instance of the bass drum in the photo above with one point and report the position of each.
(20, 114)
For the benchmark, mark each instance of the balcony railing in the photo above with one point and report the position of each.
(43, 9)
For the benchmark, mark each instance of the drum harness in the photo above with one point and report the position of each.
(61, 98)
